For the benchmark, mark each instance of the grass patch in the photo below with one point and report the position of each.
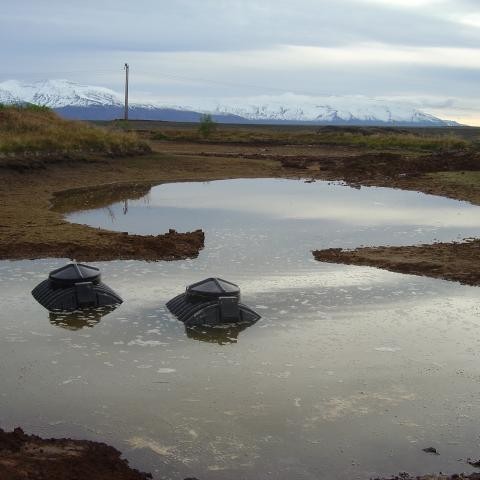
(30, 130)
(392, 140)
(463, 179)
(373, 138)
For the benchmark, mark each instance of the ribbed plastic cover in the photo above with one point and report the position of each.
(74, 273)
(79, 296)
(74, 287)
(212, 302)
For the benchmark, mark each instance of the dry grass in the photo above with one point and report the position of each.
(368, 138)
(32, 131)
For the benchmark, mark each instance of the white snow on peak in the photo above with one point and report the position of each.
(6, 97)
(295, 107)
(58, 93)
(285, 107)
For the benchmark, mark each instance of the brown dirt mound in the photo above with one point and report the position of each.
(112, 246)
(28, 457)
(450, 261)
(388, 164)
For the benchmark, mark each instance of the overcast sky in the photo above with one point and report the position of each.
(426, 52)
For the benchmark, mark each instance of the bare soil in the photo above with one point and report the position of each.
(450, 174)
(28, 457)
(450, 261)
(30, 228)
(455, 476)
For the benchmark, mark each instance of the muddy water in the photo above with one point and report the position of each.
(350, 372)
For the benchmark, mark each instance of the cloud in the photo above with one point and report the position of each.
(414, 48)
(212, 25)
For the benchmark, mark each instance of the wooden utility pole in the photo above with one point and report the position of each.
(126, 91)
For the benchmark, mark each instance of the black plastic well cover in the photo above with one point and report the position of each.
(211, 302)
(213, 288)
(74, 287)
(74, 273)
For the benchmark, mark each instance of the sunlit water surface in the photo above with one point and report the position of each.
(350, 372)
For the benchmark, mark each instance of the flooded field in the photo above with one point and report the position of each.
(350, 373)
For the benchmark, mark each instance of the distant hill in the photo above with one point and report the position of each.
(139, 112)
(84, 102)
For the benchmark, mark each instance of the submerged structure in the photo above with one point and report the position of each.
(75, 287)
(219, 334)
(78, 319)
(212, 302)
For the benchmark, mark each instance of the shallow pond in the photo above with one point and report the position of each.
(350, 372)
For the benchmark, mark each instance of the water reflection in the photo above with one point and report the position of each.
(80, 319)
(283, 212)
(220, 335)
(100, 197)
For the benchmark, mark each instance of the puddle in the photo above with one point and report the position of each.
(351, 371)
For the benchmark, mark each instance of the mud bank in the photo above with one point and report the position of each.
(455, 476)
(449, 174)
(453, 174)
(35, 201)
(31, 228)
(28, 457)
(104, 246)
(450, 261)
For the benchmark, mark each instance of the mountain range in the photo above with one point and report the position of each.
(84, 102)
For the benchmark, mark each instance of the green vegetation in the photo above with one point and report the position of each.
(393, 140)
(466, 183)
(28, 107)
(207, 126)
(371, 138)
(463, 178)
(30, 130)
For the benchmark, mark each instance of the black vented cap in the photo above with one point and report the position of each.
(73, 273)
(213, 288)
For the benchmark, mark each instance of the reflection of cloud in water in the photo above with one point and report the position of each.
(318, 202)
(150, 292)
(342, 276)
(80, 319)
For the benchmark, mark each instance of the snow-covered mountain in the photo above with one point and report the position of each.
(57, 94)
(88, 102)
(329, 109)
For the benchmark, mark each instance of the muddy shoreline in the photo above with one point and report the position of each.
(30, 228)
(32, 223)
(449, 261)
(28, 457)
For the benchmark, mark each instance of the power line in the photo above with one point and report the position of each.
(241, 85)
(205, 81)
(58, 72)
